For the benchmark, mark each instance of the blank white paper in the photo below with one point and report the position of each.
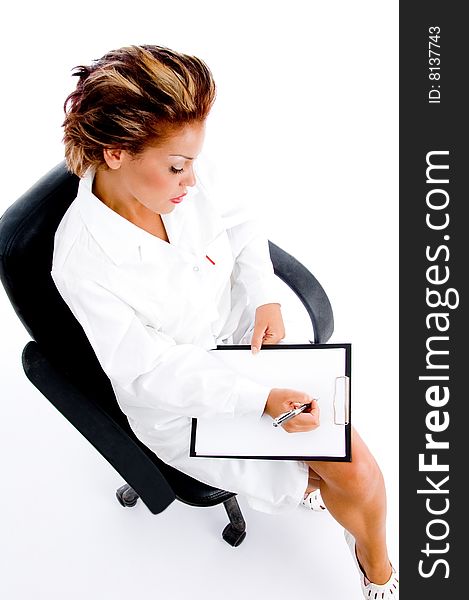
(310, 370)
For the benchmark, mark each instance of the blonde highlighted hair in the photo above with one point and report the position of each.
(131, 98)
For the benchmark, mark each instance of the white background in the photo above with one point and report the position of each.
(305, 127)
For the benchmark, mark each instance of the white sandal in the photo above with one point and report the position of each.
(314, 501)
(374, 591)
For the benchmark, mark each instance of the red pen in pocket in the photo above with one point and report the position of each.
(208, 257)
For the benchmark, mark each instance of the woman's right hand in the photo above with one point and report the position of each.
(282, 400)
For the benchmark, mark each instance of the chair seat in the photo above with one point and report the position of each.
(156, 482)
(190, 490)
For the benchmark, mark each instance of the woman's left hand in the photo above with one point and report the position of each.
(268, 326)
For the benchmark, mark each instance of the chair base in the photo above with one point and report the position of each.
(233, 534)
(127, 496)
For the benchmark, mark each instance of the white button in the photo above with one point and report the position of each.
(196, 268)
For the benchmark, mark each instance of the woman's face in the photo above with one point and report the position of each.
(159, 177)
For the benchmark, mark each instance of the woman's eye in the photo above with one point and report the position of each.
(177, 171)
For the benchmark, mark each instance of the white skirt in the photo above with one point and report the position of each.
(270, 486)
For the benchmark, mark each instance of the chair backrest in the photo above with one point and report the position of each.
(27, 232)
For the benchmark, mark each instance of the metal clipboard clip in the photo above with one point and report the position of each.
(342, 400)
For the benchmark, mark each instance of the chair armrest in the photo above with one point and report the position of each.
(107, 436)
(308, 289)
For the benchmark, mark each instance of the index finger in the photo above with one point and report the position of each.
(257, 339)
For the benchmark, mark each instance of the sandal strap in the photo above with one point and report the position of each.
(314, 501)
(385, 591)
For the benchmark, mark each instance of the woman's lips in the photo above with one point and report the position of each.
(178, 199)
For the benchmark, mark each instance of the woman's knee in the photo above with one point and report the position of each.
(364, 474)
(361, 474)
(364, 468)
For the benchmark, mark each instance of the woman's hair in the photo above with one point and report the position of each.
(131, 98)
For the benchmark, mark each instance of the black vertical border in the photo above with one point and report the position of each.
(426, 127)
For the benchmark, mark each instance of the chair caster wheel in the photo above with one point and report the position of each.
(127, 496)
(232, 536)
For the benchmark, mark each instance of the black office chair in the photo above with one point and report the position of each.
(62, 365)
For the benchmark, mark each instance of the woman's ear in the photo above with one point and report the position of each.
(113, 157)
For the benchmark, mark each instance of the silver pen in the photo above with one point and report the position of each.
(289, 415)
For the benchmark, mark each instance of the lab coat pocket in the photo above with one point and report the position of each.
(219, 260)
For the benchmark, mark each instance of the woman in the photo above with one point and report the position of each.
(157, 276)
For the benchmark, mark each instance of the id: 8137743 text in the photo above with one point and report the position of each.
(434, 65)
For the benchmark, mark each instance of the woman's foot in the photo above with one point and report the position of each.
(370, 590)
(314, 501)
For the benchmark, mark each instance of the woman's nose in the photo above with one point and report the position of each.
(190, 177)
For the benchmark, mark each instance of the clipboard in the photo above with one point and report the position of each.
(321, 370)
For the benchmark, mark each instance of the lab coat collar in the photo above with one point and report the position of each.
(124, 241)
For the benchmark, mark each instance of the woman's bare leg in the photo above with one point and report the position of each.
(355, 495)
(313, 481)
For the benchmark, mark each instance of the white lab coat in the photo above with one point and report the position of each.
(152, 310)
